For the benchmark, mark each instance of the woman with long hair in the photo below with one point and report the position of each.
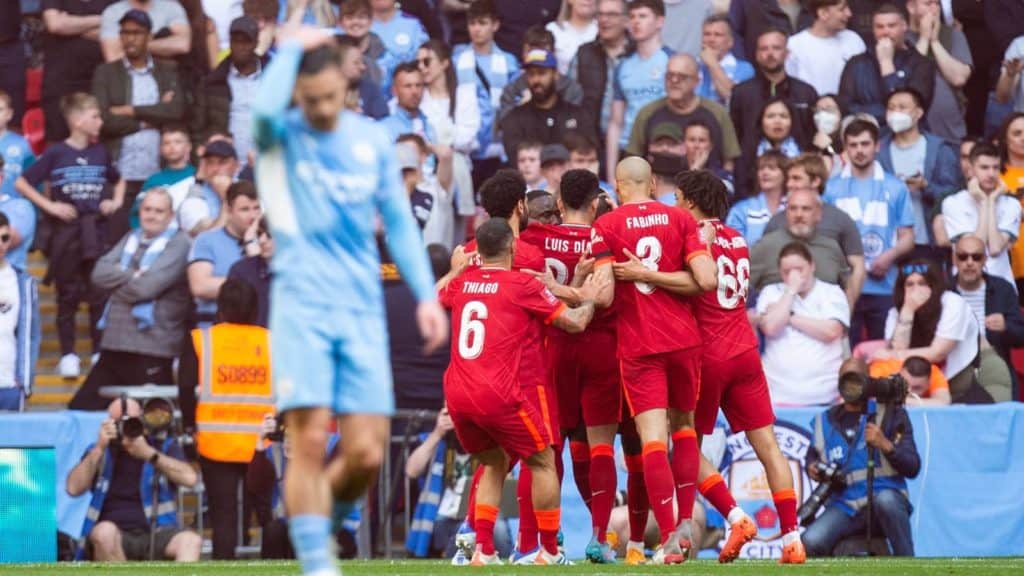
(1011, 155)
(828, 115)
(454, 114)
(575, 26)
(776, 129)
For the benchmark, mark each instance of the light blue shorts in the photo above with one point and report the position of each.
(337, 359)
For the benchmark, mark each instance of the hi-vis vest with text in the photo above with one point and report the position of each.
(235, 390)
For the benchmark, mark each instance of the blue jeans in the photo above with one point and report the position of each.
(891, 516)
(869, 313)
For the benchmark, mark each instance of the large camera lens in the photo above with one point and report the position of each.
(132, 427)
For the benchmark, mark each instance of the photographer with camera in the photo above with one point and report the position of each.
(862, 453)
(119, 469)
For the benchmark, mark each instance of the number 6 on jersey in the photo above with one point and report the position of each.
(471, 336)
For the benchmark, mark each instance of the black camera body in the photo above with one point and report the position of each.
(278, 434)
(856, 388)
(831, 481)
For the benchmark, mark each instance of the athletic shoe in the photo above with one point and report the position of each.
(683, 536)
(481, 559)
(525, 558)
(561, 542)
(600, 552)
(740, 533)
(70, 366)
(635, 554)
(793, 553)
(460, 559)
(545, 559)
(465, 539)
(669, 553)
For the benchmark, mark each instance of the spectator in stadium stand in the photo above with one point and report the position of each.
(776, 128)
(429, 194)
(986, 57)
(817, 54)
(15, 150)
(178, 174)
(117, 472)
(265, 13)
(665, 167)
(926, 385)
(137, 95)
(71, 51)
(720, 69)
(554, 161)
(681, 105)
(364, 95)
(923, 161)
(528, 164)
(583, 155)
(80, 175)
(216, 250)
(947, 47)
(937, 324)
(254, 269)
(519, 18)
(542, 207)
(1010, 88)
(546, 118)
(203, 204)
(518, 91)
(803, 214)
(892, 63)
(895, 459)
(593, 66)
(667, 138)
(401, 33)
(487, 68)
(406, 116)
(802, 317)
(144, 319)
(752, 18)
(1004, 21)
(863, 15)
(21, 223)
(750, 216)
(697, 140)
(992, 299)
(204, 49)
(826, 140)
(640, 78)
(224, 388)
(12, 59)
(575, 25)
(318, 13)
(355, 19)
(225, 97)
(19, 326)
(167, 19)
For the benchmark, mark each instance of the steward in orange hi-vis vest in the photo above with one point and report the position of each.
(234, 390)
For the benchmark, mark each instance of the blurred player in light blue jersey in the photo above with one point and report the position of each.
(328, 177)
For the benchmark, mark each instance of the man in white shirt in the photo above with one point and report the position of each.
(802, 318)
(818, 54)
(986, 210)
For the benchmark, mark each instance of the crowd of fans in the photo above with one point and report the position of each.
(885, 138)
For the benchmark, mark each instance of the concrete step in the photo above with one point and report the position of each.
(55, 383)
(48, 402)
(48, 364)
(83, 347)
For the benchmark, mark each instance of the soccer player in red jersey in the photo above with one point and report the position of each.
(659, 344)
(583, 367)
(731, 366)
(494, 310)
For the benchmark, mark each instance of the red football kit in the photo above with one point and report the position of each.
(732, 376)
(659, 343)
(527, 256)
(583, 367)
(497, 318)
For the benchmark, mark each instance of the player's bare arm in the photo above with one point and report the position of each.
(568, 294)
(704, 271)
(604, 277)
(633, 270)
(575, 320)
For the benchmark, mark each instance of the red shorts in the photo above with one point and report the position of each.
(737, 385)
(666, 380)
(585, 373)
(518, 428)
(544, 401)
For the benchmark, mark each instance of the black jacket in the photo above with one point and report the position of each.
(862, 87)
(752, 17)
(592, 75)
(1001, 298)
(112, 86)
(213, 101)
(1005, 21)
(528, 122)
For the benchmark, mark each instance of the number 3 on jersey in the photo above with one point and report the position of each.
(648, 250)
(733, 281)
(558, 269)
(471, 332)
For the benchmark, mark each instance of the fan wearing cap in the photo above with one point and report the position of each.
(137, 95)
(224, 103)
(167, 19)
(218, 168)
(546, 117)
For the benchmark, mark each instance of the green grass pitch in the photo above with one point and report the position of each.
(831, 567)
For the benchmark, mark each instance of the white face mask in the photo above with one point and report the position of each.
(826, 121)
(899, 121)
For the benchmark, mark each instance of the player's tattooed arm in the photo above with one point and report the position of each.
(604, 278)
(633, 270)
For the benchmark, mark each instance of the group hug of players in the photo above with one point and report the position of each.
(554, 325)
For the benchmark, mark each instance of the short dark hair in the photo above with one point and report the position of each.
(175, 128)
(912, 92)
(527, 145)
(537, 36)
(796, 248)
(771, 30)
(773, 156)
(860, 126)
(320, 59)
(493, 238)
(698, 123)
(415, 139)
(405, 68)
(575, 142)
(705, 190)
(440, 259)
(481, 9)
(237, 302)
(889, 8)
(984, 149)
(814, 5)
(718, 19)
(535, 194)
(918, 366)
(4, 221)
(501, 193)
(241, 188)
(578, 187)
(656, 6)
(351, 7)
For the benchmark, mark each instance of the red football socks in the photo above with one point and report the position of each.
(660, 491)
(636, 498)
(486, 516)
(527, 518)
(581, 464)
(548, 522)
(602, 479)
(685, 466)
(785, 505)
(714, 491)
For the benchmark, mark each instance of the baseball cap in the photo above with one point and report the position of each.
(140, 17)
(540, 58)
(667, 130)
(220, 149)
(408, 156)
(245, 25)
(553, 153)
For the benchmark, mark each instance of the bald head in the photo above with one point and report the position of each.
(114, 408)
(969, 258)
(970, 243)
(682, 62)
(633, 179)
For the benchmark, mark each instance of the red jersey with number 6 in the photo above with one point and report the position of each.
(651, 320)
(497, 316)
(722, 313)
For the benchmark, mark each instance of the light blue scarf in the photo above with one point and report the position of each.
(142, 311)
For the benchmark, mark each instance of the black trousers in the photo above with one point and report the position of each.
(221, 480)
(119, 223)
(74, 287)
(120, 369)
